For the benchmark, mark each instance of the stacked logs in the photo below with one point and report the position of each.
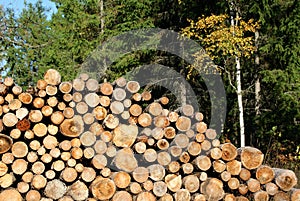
(84, 140)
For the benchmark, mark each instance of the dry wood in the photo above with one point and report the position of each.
(285, 179)
(295, 194)
(40, 129)
(136, 97)
(111, 121)
(6, 143)
(72, 127)
(38, 102)
(181, 140)
(104, 101)
(39, 182)
(19, 149)
(219, 166)
(52, 77)
(82, 107)
(184, 157)
(203, 162)
(233, 183)
(50, 174)
(155, 109)
(265, 174)
(14, 104)
(23, 187)
(225, 176)
(261, 196)
(125, 160)
(51, 90)
(251, 157)
(125, 135)
(35, 116)
(198, 197)
(271, 188)
(10, 195)
(88, 174)
(78, 84)
(106, 88)
(229, 197)
(187, 110)
(32, 157)
(174, 167)
(191, 183)
(234, 167)
(46, 158)
(47, 110)
(65, 87)
(163, 158)
(173, 182)
(122, 196)
(38, 167)
(215, 153)
(182, 194)
(103, 188)
(56, 189)
(121, 179)
(140, 174)
(183, 123)
(19, 166)
(77, 97)
(281, 196)
(161, 121)
(21, 113)
(99, 161)
(253, 185)
(10, 119)
(243, 189)
(42, 93)
(145, 196)
(92, 99)
(245, 174)
(150, 155)
(27, 177)
(7, 158)
(25, 98)
(157, 172)
(229, 151)
(69, 174)
(212, 188)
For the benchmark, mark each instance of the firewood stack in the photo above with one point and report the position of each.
(84, 140)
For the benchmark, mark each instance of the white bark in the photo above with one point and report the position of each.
(238, 83)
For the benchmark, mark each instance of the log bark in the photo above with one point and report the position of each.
(6, 143)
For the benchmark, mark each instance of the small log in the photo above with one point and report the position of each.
(136, 97)
(104, 101)
(155, 109)
(140, 174)
(198, 197)
(92, 99)
(87, 139)
(21, 113)
(61, 106)
(10, 119)
(77, 97)
(173, 116)
(163, 158)
(100, 112)
(281, 196)
(40, 129)
(229, 152)
(135, 188)
(174, 167)
(106, 136)
(106, 88)
(68, 112)
(157, 172)
(285, 179)
(164, 100)
(35, 116)
(32, 157)
(79, 167)
(14, 104)
(150, 155)
(182, 194)
(264, 174)
(38, 102)
(212, 188)
(181, 140)
(17, 90)
(27, 177)
(75, 142)
(103, 188)
(72, 127)
(173, 182)
(203, 176)
(25, 98)
(119, 94)
(187, 110)
(271, 188)
(183, 123)
(76, 153)
(125, 135)
(215, 153)
(52, 77)
(140, 147)
(10, 195)
(219, 166)
(67, 97)
(50, 174)
(251, 157)
(51, 90)
(133, 86)
(47, 110)
(99, 161)
(191, 183)
(295, 194)
(6, 143)
(65, 87)
(42, 93)
(146, 96)
(88, 174)
(245, 174)
(111, 121)
(82, 107)
(184, 157)
(225, 176)
(122, 196)
(3, 169)
(100, 147)
(50, 142)
(160, 188)
(39, 182)
(125, 160)
(69, 174)
(201, 127)
(161, 121)
(33, 195)
(88, 153)
(243, 189)
(203, 162)
(19, 166)
(261, 196)
(233, 183)
(23, 187)
(145, 196)
(19, 149)
(253, 185)
(135, 110)
(121, 82)
(38, 167)
(148, 185)
(234, 167)
(121, 179)
(56, 189)
(78, 84)
(7, 180)
(162, 144)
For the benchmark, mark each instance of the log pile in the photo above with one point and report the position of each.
(84, 140)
